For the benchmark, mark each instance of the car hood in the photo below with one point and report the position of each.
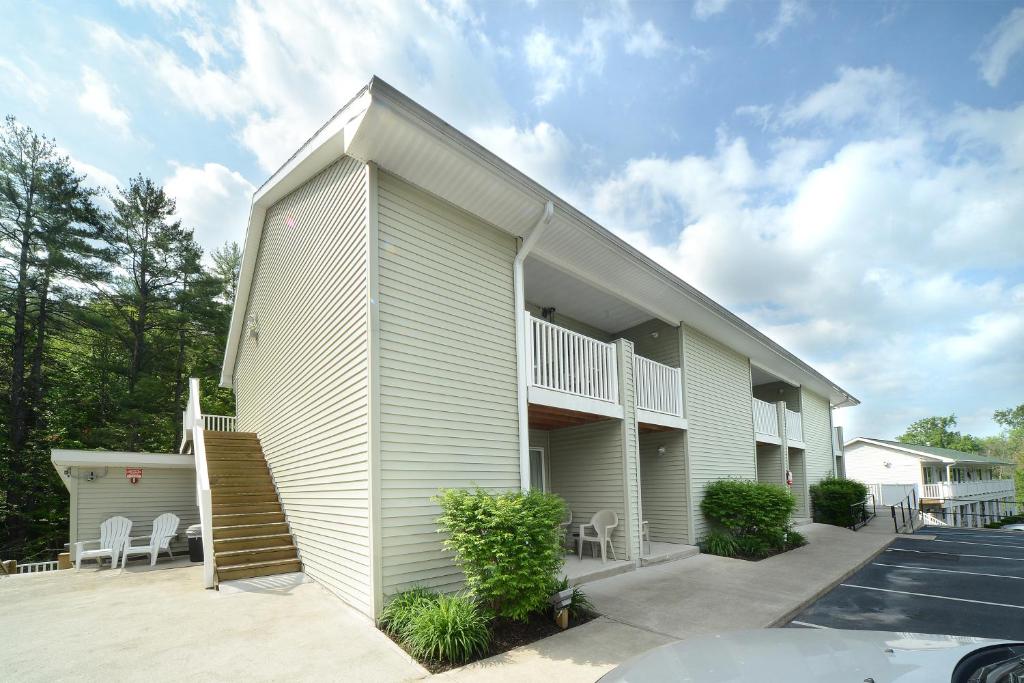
(796, 655)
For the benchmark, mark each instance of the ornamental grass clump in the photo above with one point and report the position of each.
(449, 628)
(399, 610)
(508, 545)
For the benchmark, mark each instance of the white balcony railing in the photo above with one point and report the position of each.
(966, 489)
(566, 361)
(659, 388)
(36, 567)
(766, 418)
(195, 430)
(219, 423)
(794, 426)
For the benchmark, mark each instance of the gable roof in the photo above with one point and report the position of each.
(383, 126)
(946, 455)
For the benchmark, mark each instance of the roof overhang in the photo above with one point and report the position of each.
(63, 457)
(383, 126)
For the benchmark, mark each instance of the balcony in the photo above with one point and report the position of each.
(571, 371)
(659, 394)
(993, 488)
(794, 427)
(766, 422)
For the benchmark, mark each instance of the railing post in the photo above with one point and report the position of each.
(895, 526)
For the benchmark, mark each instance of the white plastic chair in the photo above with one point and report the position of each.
(113, 538)
(164, 528)
(602, 523)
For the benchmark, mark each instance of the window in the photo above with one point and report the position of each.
(538, 476)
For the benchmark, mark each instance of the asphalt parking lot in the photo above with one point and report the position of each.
(964, 582)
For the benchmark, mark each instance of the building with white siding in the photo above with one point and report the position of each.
(953, 487)
(413, 314)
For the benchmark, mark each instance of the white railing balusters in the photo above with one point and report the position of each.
(563, 360)
(658, 387)
(794, 425)
(219, 423)
(36, 567)
(766, 420)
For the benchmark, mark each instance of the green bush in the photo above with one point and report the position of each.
(449, 628)
(795, 539)
(1009, 519)
(832, 499)
(754, 547)
(748, 508)
(719, 543)
(508, 545)
(399, 610)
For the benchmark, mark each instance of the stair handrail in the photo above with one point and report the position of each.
(204, 498)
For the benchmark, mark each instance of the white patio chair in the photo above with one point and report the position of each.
(113, 537)
(164, 528)
(602, 524)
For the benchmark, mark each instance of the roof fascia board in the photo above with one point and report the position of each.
(922, 454)
(64, 457)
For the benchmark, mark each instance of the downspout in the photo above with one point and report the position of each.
(522, 362)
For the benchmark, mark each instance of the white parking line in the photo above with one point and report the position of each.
(947, 571)
(809, 625)
(1015, 541)
(996, 545)
(937, 552)
(929, 595)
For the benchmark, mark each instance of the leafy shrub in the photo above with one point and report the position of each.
(580, 606)
(399, 610)
(748, 508)
(449, 628)
(508, 545)
(753, 547)
(795, 539)
(719, 543)
(1009, 519)
(831, 499)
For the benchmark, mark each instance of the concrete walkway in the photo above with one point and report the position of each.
(701, 595)
(162, 626)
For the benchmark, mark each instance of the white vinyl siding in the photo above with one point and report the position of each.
(817, 436)
(587, 470)
(721, 426)
(664, 482)
(448, 404)
(160, 490)
(872, 464)
(662, 349)
(302, 384)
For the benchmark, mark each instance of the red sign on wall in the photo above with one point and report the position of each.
(133, 474)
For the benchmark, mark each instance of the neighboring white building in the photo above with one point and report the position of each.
(957, 488)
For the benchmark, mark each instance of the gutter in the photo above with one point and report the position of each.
(522, 362)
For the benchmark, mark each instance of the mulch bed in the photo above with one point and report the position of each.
(506, 635)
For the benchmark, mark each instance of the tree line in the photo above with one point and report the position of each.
(107, 307)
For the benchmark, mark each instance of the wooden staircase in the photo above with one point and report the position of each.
(250, 534)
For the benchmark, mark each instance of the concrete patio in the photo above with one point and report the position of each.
(108, 625)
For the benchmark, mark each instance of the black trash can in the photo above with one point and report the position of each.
(195, 543)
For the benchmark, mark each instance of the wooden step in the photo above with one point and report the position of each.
(228, 558)
(267, 495)
(246, 542)
(247, 507)
(237, 467)
(247, 518)
(247, 571)
(249, 530)
(254, 480)
(229, 442)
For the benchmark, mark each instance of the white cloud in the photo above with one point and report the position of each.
(703, 9)
(551, 67)
(1001, 46)
(213, 200)
(791, 13)
(542, 152)
(164, 7)
(885, 261)
(17, 83)
(646, 41)
(878, 95)
(97, 99)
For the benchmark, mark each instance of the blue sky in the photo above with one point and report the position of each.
(846, 175)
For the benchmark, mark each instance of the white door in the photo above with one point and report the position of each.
(538, 479)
